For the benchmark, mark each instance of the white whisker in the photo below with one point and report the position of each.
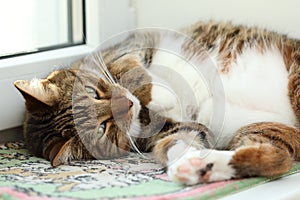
(103, 68)
(134, 127)
(135, 148)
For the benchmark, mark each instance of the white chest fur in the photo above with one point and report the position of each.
(253, 90)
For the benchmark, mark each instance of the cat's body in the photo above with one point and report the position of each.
(254, 85)
(241, 83)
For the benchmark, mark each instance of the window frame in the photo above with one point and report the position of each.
(38, 65)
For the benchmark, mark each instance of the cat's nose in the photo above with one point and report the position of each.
(124, 102)
(120, 106)
(130, 103)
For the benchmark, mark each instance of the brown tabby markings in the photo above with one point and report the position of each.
(271, 146)
(59, 132)
(235, 38)
(169, 137)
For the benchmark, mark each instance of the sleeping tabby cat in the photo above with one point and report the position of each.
(212, 102)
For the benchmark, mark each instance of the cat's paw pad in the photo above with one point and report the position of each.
(193, 171)
(193, 168)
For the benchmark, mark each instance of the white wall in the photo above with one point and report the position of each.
(280, 15)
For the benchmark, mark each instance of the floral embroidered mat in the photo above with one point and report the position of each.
(23, 176)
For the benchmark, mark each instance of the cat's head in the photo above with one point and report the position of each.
(75, 114)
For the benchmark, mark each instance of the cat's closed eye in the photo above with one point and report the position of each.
(92, 92)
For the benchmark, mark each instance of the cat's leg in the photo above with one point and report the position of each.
(189, 165)
(177, 138)
(201, 165)
(261, 149)
(264, 149)
(189, 159)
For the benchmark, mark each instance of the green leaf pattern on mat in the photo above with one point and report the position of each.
(129, 177)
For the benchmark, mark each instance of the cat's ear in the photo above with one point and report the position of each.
(37, 93)
(61, 153)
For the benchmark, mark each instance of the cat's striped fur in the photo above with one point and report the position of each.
(118, 99)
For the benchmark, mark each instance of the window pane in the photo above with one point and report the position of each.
(31, 25)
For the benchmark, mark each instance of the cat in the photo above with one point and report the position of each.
(212, 102)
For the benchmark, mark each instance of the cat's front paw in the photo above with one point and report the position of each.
(201, 166)
(163, 98)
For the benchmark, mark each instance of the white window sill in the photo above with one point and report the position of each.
(27, 67)
(40, 62)
(285, 188)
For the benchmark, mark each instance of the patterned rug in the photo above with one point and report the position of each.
(23, 176)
